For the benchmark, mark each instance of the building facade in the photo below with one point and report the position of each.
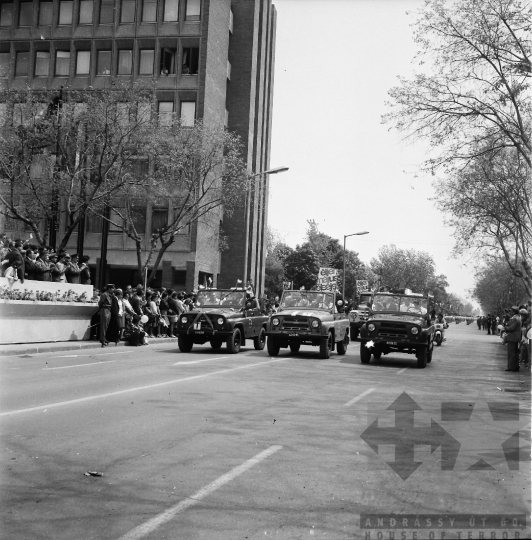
(210, 59)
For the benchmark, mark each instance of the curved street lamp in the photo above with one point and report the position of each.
(346, 236)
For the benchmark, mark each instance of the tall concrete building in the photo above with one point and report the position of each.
(211, 60)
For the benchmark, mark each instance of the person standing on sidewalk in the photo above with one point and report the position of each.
(105, 304)
(513, 337)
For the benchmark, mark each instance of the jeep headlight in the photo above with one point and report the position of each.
(371, 327)
(220, 321)
(315, 324)
(184, 320)
(414, 330)
(275, 322)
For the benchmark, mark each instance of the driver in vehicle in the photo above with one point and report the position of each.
(405, 305)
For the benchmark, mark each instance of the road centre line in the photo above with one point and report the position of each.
(151, 525)
(401, 370)
(359, 397)
(137, 388)
(198, 361)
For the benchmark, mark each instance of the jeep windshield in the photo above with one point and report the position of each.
(396, 303)
(307, 299)
(228, 299)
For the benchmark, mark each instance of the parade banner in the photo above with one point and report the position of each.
(362, 285)
(328, 279)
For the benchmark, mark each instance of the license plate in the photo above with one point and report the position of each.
(293, 335)
(391, 343)
(199, 331)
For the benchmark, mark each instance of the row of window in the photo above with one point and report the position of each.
(85, 14)
(159, 218)
(166, 111)
(122, 63)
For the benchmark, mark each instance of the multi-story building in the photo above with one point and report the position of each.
(211, 59)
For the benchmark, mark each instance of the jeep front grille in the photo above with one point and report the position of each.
(295, 323)
(393, 330)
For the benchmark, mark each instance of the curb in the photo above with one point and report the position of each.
(35, 348)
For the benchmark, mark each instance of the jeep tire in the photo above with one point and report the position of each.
(294, 347)
(377, 354)
(341, 346)
(429, 353)
(421, 355)
(259, 342)
(216, 343)
(365, 353)
(326, 346)
(185, 343)
(273, 347)
(234, 342)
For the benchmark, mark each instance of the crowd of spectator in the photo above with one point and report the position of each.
(134, 314)
(21, 259)
(514, 328)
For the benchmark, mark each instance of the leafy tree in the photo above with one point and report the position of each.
(63, 155)
(196, 173)
(302, 267)
(488, 204)
(404, 268)
(495, 286)
(473, 98)
(276, 253)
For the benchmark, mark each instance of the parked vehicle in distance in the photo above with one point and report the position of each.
(398, 323)
(309, 318)
(222, 316)
(358, 316)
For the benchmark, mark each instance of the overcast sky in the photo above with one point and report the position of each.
(335, 62)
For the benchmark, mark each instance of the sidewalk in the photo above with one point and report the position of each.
(17, 349)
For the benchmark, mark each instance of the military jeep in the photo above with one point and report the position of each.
(308, 318)
(222, 316)
(358, 316)
(398, 323)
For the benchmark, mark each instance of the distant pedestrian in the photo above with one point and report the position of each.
(513, 337)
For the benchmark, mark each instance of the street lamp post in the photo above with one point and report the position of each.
(275, 170)
(346, 236)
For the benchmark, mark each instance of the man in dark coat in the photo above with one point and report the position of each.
(105, 303)
(73, 271)
(136, 301)
(513, 337)
(42, 266)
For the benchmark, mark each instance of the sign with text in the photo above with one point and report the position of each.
(362, 285)
(327, 279)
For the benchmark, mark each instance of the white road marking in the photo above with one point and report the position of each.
(79, 365)
(79, 355)
(359, 397)
(401, 370)
(151, 525)
(136, 389)
(198, 361)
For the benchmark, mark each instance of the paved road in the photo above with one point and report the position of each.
(208, 445)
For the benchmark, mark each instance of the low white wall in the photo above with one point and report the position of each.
(26, 321)
(48, 286)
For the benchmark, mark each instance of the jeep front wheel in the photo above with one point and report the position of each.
(234, 342)
(421, 355)
(184, 343)
(326, 346)
(365, 353)
(260, 341)
(294, 347)
(273, 347)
